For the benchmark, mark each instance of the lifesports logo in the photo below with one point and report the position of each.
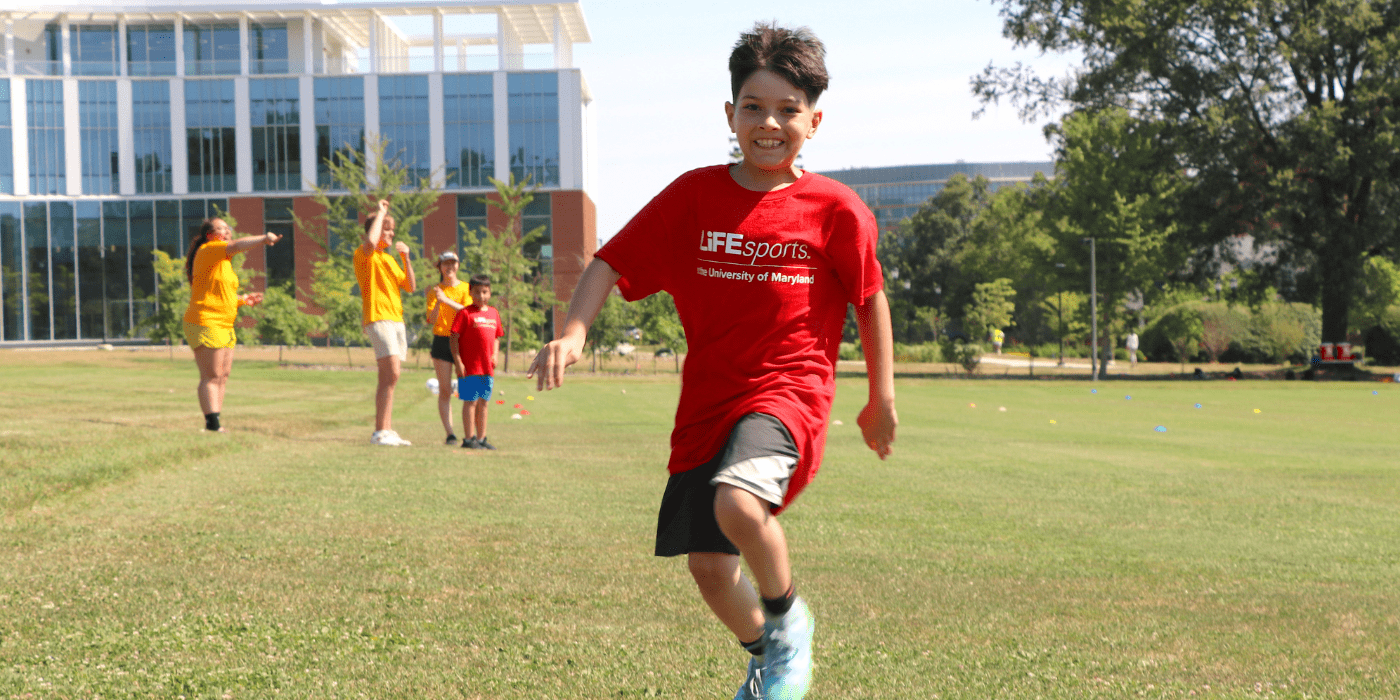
(734, 244)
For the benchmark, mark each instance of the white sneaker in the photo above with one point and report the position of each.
(388, 437)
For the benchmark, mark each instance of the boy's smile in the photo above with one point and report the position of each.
(772, 121)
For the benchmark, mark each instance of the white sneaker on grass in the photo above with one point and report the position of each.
(752, 689)
(388, 437)
(787, 656)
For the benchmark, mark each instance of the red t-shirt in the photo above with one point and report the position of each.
(477, 329)
(761, 281)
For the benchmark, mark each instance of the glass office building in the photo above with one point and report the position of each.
(894, 193)
(123, 126)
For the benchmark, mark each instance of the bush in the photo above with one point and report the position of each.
(969, 355)
(1052, 350)
(921, 352)
(849, 351)
(1282, 332)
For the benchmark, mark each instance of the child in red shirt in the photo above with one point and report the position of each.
(476, 334)
(761, 258)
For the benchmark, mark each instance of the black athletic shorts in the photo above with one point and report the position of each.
(441, 349)
(686, 522)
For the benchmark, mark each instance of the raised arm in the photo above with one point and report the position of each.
(877, 420)
(593, 289)
(410, 279)
(376, 229)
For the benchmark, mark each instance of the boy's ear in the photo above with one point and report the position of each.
(816, 121)
(729, 116)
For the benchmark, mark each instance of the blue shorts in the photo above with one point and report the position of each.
(475, 388)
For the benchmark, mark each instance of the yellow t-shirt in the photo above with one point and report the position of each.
(214, 288)
(380, 279)
(460, 294)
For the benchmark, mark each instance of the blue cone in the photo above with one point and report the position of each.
(1161, 428)
(1198, 405)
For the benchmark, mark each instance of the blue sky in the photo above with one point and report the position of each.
(899, 93)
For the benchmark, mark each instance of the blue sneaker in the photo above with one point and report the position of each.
(752, 689)
(787, 657)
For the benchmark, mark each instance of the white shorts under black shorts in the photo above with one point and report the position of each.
(388, 338)
(759, 457)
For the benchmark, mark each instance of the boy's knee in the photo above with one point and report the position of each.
(736, 506)
(712, 569)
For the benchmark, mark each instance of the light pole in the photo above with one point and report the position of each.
(1060, 312)
(1093, 307)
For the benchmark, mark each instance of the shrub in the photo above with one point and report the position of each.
(849, 351)
(921, 352)
(1281, 332)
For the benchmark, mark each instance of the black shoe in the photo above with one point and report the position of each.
(451, 440)
(469, 444)
(482, 444)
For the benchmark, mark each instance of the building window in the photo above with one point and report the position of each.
(90, 289)
(539, 214)
(281, 259)
(141, 238)
(212, 49)
(469, 116)
(150, 121)
(11, 273)
(97, 118)
(403, 122)
(150, 49)
(276, 134)
(209, 131)
(116, 261)
(94, 48)
(471, 220)
(36, 249)
(534, 127)
(46, 154)
(340, 123)
(7, 149)
(192, 214)
(267, 48)
(53, 51)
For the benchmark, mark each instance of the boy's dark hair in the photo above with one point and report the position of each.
(795, 54)
(479, 281)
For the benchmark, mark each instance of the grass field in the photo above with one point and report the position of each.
(1062, 548)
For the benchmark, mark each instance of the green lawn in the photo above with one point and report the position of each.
(1062, 548)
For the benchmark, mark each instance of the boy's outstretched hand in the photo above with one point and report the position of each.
(548, 366)
(877, 424)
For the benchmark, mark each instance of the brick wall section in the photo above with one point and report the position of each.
(308, 252)
(440, 230)
(248, 211)
(575, 228)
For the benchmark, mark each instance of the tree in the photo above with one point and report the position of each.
(1067, 313)
(610, 325)
(283, 319)
(332, 286)
(353, 191)
(990, 309)
(1181, 325)
(920, 258)
(172, 298)
(1285, 113)
(1379, 290)
(660, 322)
(520, 286)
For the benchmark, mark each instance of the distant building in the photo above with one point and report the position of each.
(123, 124)
(894, 193)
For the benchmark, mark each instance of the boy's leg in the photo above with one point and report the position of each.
(728, 593)
(384, 392)
(481, 419)
(746, 520)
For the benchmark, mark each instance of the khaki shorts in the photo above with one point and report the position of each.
(207, 337)
(388, 338)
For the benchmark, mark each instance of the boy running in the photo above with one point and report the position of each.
(476, 337)
(380, 279)
(761, 258)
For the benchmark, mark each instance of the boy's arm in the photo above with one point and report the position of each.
(878, 420)
(593, 288)
(376, 229)
(454, 345)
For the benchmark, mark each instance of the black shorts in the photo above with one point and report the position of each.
(441, 349)
(686, 522)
